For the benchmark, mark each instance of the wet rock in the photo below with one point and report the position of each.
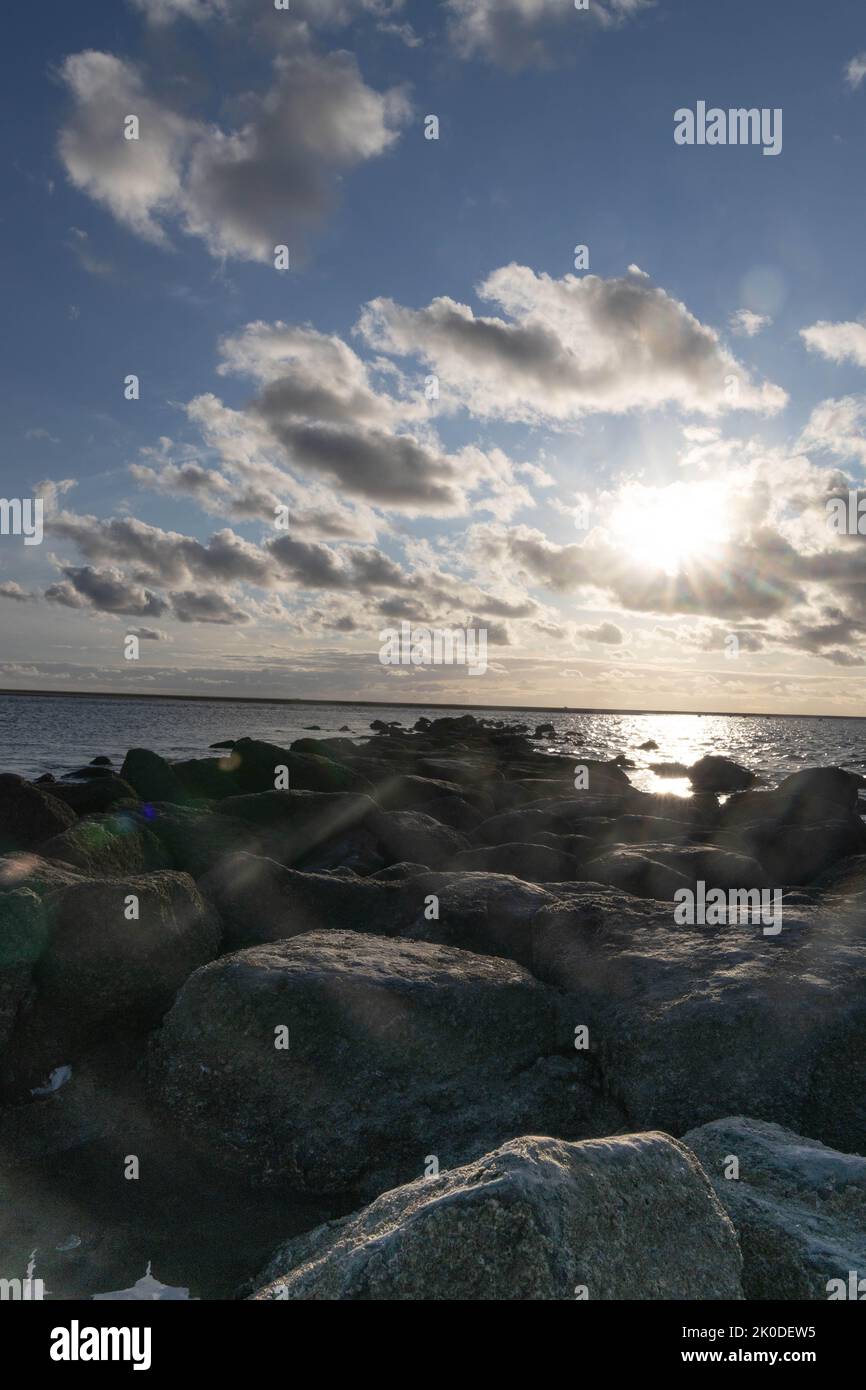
(405, 792)
(626, 1218)
(397, 1050)
(648, 747)
(101, 761)
(293, 824)
(151, 776)
(714, 774)
(23, 934)
(544, 731)
(798, 1207)
(400, 871)
(28, 815)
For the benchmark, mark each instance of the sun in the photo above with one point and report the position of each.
(667, 528)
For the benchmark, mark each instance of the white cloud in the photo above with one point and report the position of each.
(519, 33)
(242, 191)
(840, 342)
(567, 348)
(747, 324)
(855, 72)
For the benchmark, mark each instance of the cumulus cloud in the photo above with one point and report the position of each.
(840, 342)
(207, 607)
(567, 348)
(519, 33)
(9, 589)
(106, 590)
(837, 427)
(245, 190)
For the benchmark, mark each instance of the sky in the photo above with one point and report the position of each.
(377, 383)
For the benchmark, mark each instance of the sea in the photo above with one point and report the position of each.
(57, 733)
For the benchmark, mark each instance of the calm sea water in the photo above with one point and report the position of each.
(48, 733)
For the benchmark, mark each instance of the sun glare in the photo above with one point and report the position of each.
(666, 528)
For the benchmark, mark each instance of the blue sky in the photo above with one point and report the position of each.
(596, 392)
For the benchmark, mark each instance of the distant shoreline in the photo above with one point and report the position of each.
(414, 704)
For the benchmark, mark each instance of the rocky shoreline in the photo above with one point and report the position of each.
(433, 991)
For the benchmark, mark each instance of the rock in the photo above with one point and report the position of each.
(27, 815)
(658, 871)
(669, 769)
(261, 901)
(151, 776)
(194, 840)
(846, 877)
(344, 729)
(397, 1050)
(557, 817)
(648, 747)
(108, 846)
(101, 761)
(532, 862)
(544, 731)
(259, 761)
(295, 824)
(225, 743)
(84, 774)
(412, 835)
(101, 972)
(23, 934)
(356, 851)
(46, 778)
(313, 726)
(211, 778)
(400, 871)
(403, 793)
(687, 1021)
(713, 774)
(798, 1207)
(92, 798)
(804, 799)
(626, 1218)
(491, 914)
(797, 854)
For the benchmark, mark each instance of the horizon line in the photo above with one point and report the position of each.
(411, 704)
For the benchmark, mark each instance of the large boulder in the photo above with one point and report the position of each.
(715, 774)
(99, 969)
(94, 797)
(394, 1051)
(293, 824)
(108, 846)
(260, 901)
(29, 815)
(151, 776)
(256, 762)
(626, 1218)
(415, 836)
(533, 862)
(658, 871)
(491, 914)
(686, 1021)
(798, 854)
(799, 1208)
